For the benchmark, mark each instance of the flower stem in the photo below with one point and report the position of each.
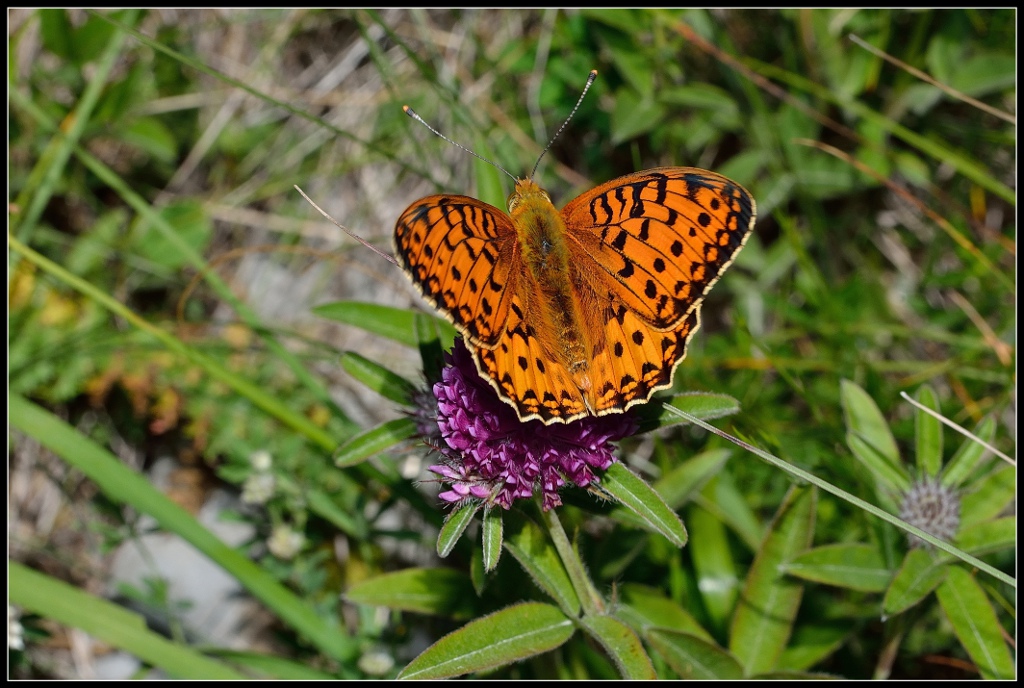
(585, 590)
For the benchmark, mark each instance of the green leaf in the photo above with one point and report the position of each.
(370, 442)
(149, 134)
(56, 32)
(873, 137)
(819, 176)
(921, 572)
(632, 492)
(812, 643)
(678, 485)
(273, 666)
(714, 567)
(745, 167)
(645, 608)
(92, 250)
(928, 434)
(633, 65)
(699, 96)
(988, 536)
(625, 20)
(110, 623)
(943, 54)
(975, 624)
(499, 639)
(492, 537)
(887, 474)
(968, 458)
(325, 506)
(703, 405)
(622, 645)
(922, 97)
(537, 555)
(853, 566)
(191, 225)
(378, 378)
(782, 675)
(454, 526)
(93, 37)
(397, 324)
(433, 336)
(863, 418)
(984, 74)
(489, 179)
(916, 170)
(768, 604)
(989, 498)
(476, 571)
(860, 68)
(695, 658)
(730, 506)
(441, 592)
(634, 115)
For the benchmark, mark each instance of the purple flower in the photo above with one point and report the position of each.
(489, 454)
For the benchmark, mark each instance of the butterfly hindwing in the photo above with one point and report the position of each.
(637, 360)
(522, 371)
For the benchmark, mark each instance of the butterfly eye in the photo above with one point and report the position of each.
(516, 197)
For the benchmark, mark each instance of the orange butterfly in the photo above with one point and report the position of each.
(587, 311)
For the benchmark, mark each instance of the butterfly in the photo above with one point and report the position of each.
(587, 311)
(583, 312)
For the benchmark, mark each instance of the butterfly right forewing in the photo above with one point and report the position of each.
(662, 237)
(460, 253)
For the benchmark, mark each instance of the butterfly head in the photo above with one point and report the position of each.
(526, 191)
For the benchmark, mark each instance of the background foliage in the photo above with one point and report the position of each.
(890, 265)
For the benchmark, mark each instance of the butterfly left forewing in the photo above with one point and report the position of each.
(461, 254)
(661, 238)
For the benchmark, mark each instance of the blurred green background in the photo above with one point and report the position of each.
(884, 254)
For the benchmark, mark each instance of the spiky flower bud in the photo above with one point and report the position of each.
(933, 508)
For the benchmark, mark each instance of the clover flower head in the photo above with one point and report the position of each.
(284, 542)
(491, 455)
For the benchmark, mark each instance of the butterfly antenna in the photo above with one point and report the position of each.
(412, 113)
(590, 80)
